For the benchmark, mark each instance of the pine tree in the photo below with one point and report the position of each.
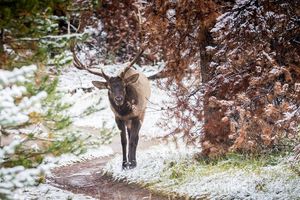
(35, 36)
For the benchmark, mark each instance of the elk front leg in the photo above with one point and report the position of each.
(121, 126)
(133, 141)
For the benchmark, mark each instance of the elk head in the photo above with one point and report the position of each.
(116, 86)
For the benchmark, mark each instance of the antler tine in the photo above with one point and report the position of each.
(133, 61)
(102, 74)
(81, 66)
(77, 63)
(136, 57)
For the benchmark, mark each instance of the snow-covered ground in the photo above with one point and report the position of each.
(47, 192)
(91, 153)
(271, 182)
(170, 170)
(151, 162)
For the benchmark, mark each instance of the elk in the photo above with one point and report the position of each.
(128, 94)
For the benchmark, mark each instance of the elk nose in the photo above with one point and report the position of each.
(118, 98)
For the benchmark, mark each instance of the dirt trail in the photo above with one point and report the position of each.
(87, 178)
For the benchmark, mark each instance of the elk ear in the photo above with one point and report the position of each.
(132, 79)
(100, 85)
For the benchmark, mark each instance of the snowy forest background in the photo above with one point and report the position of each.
(230, 69)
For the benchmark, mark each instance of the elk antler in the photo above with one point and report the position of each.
(133, 61)
(81, 66)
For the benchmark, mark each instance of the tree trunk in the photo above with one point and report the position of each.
(1, 41)
(215, 127)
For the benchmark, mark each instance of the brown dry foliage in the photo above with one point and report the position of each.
(247, 80)
(234, 78)
(179, 31)
(256, 69)
(121, 25)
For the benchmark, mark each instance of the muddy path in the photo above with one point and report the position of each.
(87, 178)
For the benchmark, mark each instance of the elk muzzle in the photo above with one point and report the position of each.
(119, 100)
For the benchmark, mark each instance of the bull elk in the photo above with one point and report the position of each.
(127, 93)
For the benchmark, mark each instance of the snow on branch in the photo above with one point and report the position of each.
(14, 106)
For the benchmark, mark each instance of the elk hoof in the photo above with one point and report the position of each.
(124, 165)
(132, 164)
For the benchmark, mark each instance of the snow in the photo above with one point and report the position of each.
(12, 113)
(7, 77)
(150, 163)
(242, 184)
(297, 87)
(19, 177)
(94, 31)
(65, 36)
(171, 15)
(210, 48)
(47, 192)
(154, 170)
(91, 153)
